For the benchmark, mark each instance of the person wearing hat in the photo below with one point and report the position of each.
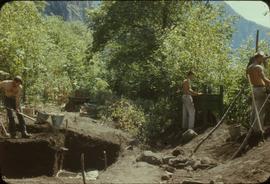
(259, 82)
(12, 93)
(188, 111)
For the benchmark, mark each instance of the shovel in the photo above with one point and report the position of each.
(24, 115)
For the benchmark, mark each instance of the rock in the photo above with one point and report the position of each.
(203, 166)
(168, 168)
(196, 164)
(150, 157)
(188, 168)
(91, 175)
(206, 160)
(192, 182)
(179, 159)
(64, 173)
(190, 162)
(129, 147)
(166, 159)
(180, 165)
(188, 135)
(169, 173)
(177, 152)
(165, 177)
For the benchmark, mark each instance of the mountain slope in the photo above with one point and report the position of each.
(245, 28)
(69, 10)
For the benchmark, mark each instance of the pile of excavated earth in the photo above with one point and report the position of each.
(53, 156)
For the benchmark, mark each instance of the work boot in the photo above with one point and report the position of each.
(25, 135)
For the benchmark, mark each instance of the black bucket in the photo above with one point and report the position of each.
(42, 117)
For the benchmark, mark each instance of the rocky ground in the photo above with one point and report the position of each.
(135, 164)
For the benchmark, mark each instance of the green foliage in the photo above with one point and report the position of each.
(125, 115)
(149, 46)
(240, 59)
(47, 51)
(139, 51)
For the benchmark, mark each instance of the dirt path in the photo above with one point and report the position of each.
(127, 170)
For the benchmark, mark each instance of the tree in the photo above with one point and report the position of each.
(148, 47)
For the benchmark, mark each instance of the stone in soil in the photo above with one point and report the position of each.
(188, 135)
(168, 168)
(165, 177)
(150, 157)
(178, 151)
(166, 159)
(175, 161)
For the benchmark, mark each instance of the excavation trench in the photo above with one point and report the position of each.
(44, 154)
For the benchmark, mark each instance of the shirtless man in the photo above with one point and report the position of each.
(12, 91)
(259, 82)
(188, 106)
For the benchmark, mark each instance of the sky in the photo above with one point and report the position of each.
(252, 10)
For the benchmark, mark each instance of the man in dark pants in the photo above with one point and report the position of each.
(12, 90)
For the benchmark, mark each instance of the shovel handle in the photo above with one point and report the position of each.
(24, 115)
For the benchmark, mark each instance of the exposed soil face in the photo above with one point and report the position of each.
(93, 150)
(27, 158)
(43, 154)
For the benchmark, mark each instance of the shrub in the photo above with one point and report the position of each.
(125, 115)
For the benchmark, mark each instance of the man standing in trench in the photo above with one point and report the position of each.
(259, 82)
(188, 105)
(12, 93)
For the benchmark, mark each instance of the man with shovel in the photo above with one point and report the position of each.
(259, 83)
(12, 93)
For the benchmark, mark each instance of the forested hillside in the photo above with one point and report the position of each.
(245, 28)
(69, 10)
(75, 10)
(130, 57)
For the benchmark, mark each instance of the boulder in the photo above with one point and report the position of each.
(188, 135)
(168, 168)
(150, 157)
(175, 161)
(196, 164)
(180, 165)
(166, 158)
(177, 152)
(165, 177)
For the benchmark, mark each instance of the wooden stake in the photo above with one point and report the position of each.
(257, 41)
(105, 160)
(220, 122)
(82, 168)
(66, 124)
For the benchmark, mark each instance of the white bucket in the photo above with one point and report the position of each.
(57, 120)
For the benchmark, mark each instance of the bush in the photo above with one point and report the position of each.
(125, 115)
